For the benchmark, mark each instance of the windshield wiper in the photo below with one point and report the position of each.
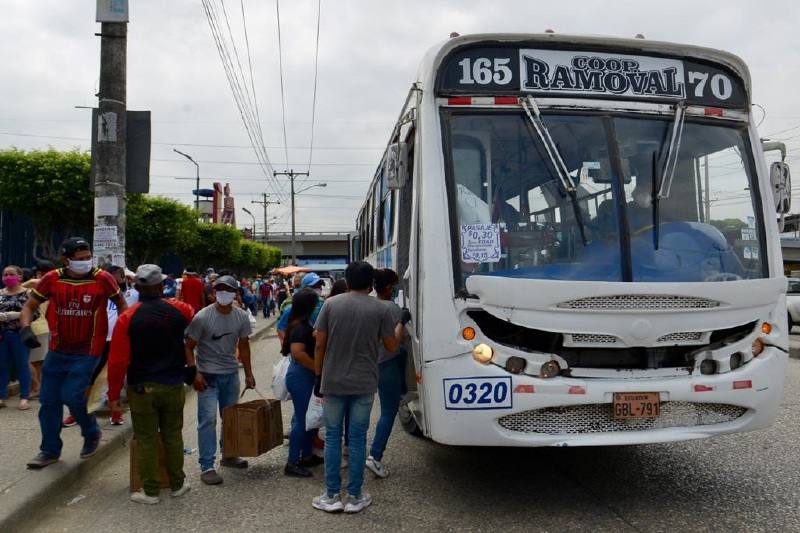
(662, 177)
(535, 117)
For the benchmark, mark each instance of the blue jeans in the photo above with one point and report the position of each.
(300, 382)
(358, 407)
(390, 391)
(222, 391)
(267, 304)
(65, 379)
(14, 353)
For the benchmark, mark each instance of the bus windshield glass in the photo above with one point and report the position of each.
(515, 217)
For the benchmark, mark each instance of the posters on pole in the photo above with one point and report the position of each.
(105, 237)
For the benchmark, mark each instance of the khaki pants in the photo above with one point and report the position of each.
(157, 413)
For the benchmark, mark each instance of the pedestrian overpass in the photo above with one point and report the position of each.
(311, 247)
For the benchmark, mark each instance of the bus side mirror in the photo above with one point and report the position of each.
(395, 171)
(781, 180)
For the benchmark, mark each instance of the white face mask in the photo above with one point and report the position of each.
(80, 267)
(225, 298)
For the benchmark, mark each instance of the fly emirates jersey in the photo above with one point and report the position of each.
(77, 313)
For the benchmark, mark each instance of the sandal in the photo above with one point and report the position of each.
(23, 405)
(2, 403)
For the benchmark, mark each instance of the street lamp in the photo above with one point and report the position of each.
(197, 180)
(295, 193)
(254, 221)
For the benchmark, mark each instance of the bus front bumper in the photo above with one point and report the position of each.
(566, 411)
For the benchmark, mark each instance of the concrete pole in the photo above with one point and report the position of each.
(110, 152)
(265, 203)
(292, 174)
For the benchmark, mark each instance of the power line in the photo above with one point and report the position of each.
(282, 164)
(314, 98)
(280, 68)
(167, 143)
(250, 65)
(242, 102)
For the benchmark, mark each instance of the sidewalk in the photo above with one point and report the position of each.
(23, 490)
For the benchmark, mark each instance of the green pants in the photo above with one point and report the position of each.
(157, 411)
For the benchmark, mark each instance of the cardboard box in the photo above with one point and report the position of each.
(136, 481)
(252, 428)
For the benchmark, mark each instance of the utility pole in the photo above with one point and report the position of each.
(292, 174)
(110, 152)
(264, 203)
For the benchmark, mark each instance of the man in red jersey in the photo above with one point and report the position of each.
(193, 289)
(78, 295)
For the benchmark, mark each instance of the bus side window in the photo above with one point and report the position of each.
(403, 200)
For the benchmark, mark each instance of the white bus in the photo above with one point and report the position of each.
(586, 233)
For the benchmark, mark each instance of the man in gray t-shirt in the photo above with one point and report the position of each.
(218, 331)
(350, 330)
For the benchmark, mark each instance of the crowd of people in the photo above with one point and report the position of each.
(152, 334)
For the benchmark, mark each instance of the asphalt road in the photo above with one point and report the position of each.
(746, 482)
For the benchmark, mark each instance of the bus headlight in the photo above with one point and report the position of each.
(483, 354)
(758, 347)
(515, 364)
(549, 369)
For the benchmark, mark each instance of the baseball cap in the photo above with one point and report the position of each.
(228, 281)
(311, 280)
(149, 275)
(73, 244)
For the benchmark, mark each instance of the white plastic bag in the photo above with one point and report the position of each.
(279, 380)
(314, 418)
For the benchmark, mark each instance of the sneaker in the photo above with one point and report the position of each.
(90, 447)
(181, 491)
(116, 419)
(356, 505)
(41, 460)
(377, 467)
(310, 462)
(68, 422)
(23, 405)
(234, 462)
(141, 497)
(210, 477)
(296, 470)
(329, 504)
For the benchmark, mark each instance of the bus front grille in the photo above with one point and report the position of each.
(598, 418)
(639, 302)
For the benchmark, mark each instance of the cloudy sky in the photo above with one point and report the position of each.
(369, 51)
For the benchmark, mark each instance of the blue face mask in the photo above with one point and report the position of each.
(395, 292)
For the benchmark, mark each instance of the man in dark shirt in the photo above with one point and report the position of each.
(148, 345)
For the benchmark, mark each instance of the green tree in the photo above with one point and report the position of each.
(51, 187)
(157, 227)
(217, 246)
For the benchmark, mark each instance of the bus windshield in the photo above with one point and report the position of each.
(513, 216)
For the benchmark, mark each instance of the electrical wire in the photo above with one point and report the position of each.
(314, 98)
(280, 68)
(247, 114)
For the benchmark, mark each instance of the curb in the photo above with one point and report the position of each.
(40, 488)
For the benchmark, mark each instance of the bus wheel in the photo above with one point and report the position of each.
(408, 421)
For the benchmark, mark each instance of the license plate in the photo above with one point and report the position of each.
(628, 405)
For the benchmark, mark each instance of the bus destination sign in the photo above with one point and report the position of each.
(503, 70)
